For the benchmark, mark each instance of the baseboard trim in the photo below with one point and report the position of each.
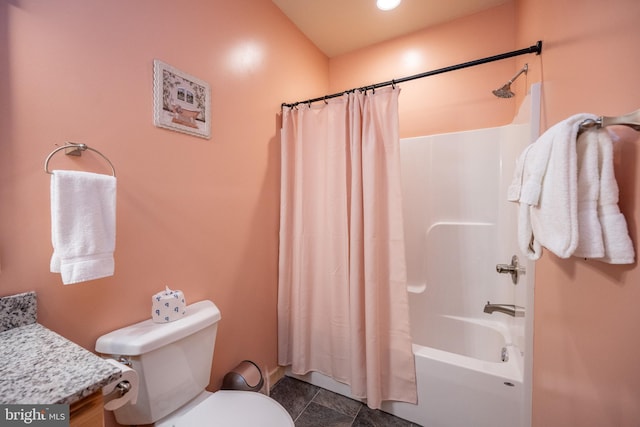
(275, 375)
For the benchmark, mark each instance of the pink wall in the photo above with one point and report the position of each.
(586, 318)
(448, 102)
(202, 215)
(196, 215)
(586, 312)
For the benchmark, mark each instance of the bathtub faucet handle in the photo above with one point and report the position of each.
(514, 269)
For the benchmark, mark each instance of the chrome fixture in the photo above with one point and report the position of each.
(632, 120)
(73, 149)
(122, 388)
(514, 269)
(504, 354)
(510, 309)
(124, 360)
(505, 91)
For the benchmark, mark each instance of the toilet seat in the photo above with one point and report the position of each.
(227, 408)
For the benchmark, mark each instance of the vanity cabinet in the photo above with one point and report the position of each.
(88, 412)
(41, 367)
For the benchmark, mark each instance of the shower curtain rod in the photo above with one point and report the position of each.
(537, 49)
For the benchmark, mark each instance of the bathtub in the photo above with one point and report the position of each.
(469, 373)
(462, 379)
(473, 369)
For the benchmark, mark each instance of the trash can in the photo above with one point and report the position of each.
(246, 377)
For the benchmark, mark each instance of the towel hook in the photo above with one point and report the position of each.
(76, 150)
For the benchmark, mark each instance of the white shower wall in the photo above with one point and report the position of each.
(459, 225)
(457, 220)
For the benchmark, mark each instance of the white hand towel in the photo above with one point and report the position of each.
(590, 242)
(617, 243)
(545, 185)
(83, 224)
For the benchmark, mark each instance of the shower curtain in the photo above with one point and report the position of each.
(342, 298)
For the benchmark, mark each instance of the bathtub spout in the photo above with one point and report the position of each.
(510, 309)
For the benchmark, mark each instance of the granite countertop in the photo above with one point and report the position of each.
(38, 366)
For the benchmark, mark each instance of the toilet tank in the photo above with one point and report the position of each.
(173, 360)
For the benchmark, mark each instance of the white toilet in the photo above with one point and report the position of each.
(173, 362)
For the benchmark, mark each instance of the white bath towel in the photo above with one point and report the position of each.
(526, 243)
(618, 248)
(83, 224)
(545, 186)
(590, 242)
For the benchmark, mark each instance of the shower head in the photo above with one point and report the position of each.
(505, 91)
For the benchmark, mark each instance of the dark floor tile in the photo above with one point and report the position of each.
(293, 395)
(316, 415)
(368, 417)
(337, 402)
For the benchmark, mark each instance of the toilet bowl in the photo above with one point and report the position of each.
(227, 408)
(173, 362)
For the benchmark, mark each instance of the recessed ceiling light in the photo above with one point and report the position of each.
(387, 4)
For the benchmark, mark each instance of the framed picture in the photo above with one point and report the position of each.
(181, 102)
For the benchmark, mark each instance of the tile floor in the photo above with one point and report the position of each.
(312, 406)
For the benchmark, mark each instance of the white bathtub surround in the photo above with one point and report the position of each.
(456, 234)
(459, 226)
(342, 300)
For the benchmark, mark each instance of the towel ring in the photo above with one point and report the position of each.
(77, 148)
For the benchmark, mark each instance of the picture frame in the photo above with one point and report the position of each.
(181, 102)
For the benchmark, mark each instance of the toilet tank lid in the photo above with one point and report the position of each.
(147, 335)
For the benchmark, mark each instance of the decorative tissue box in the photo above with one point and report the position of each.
(167, 306)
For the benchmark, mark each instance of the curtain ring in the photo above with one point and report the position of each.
(325, 100)
(393, 83)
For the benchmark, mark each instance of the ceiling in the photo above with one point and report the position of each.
(341, 26)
